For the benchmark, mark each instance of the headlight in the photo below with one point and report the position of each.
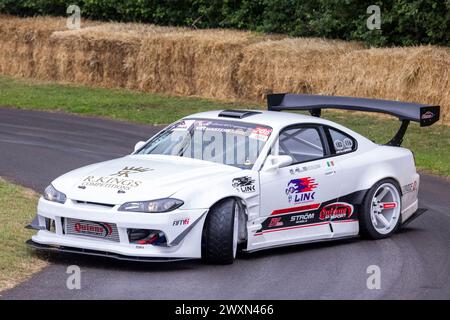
(153, 206)
(51, 194)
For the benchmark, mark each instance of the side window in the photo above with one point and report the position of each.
(302, 144)
(341, 142)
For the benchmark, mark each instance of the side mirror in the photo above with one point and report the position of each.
(139, 145)
(275, 162)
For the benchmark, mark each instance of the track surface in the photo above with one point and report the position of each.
(36, 147)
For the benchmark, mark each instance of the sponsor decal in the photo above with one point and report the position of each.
(275, 222)
(303, 218)
(307, 207)
(305, 168)
(348, 143)
(389, 205)
(110, 182)
(410, 187)
(93, 228)
(343, 145)
(338, 145)
(427, 115)
(301, 190)
(244, 184)
(337, 210)
(261, 133)
(129, 170)
(312, 215)
(181, 222)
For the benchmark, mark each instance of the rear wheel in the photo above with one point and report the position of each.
(381, 212)
(220, 233)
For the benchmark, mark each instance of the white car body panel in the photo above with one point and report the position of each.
(201, 184)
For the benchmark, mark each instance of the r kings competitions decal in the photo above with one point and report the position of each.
(119, 180)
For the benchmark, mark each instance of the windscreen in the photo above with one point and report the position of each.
(227, 142)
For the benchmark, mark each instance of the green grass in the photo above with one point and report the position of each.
(112, 103)
(431, 145)
(17, 208)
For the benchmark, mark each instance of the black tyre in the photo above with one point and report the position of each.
(381, 211)
(220, 232)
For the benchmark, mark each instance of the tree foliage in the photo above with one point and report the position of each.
(403, 22)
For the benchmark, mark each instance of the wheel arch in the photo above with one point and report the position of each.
(244, 212)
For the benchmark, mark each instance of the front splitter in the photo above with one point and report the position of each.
(44, 247)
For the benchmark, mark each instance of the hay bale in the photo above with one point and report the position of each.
(193, 62)
(297, 65)
(415, 74)
(220, 64)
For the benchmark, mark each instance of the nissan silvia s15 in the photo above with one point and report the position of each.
(217, 182)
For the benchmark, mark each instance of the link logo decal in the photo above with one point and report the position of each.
(301, 190)
(244, 184)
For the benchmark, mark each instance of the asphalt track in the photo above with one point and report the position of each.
(36, 147)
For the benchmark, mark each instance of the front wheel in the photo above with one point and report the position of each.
(220, 233)
(381, 212)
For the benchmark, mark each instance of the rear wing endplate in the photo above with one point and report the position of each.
(426, 115)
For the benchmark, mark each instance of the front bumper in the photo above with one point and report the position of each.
(98, 253)
(183, 241)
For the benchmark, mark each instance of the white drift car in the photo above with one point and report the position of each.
(217, 181)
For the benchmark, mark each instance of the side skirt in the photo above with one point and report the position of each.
(301, 242)
(414, 216)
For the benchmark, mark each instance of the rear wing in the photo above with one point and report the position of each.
(426, 115)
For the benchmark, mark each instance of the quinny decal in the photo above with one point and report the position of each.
(93, 228)
(337, 210)
(244, 184)
(275, 222)
(301, 190)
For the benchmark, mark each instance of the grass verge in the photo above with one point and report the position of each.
(17, 208)
(431, 145)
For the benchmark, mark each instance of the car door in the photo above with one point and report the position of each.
(291, 196)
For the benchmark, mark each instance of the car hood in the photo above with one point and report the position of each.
(137, 178)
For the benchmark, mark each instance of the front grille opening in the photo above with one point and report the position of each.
(147, 237)
(50, 225)
(108, 205)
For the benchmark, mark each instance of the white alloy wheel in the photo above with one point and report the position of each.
(385, 208)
